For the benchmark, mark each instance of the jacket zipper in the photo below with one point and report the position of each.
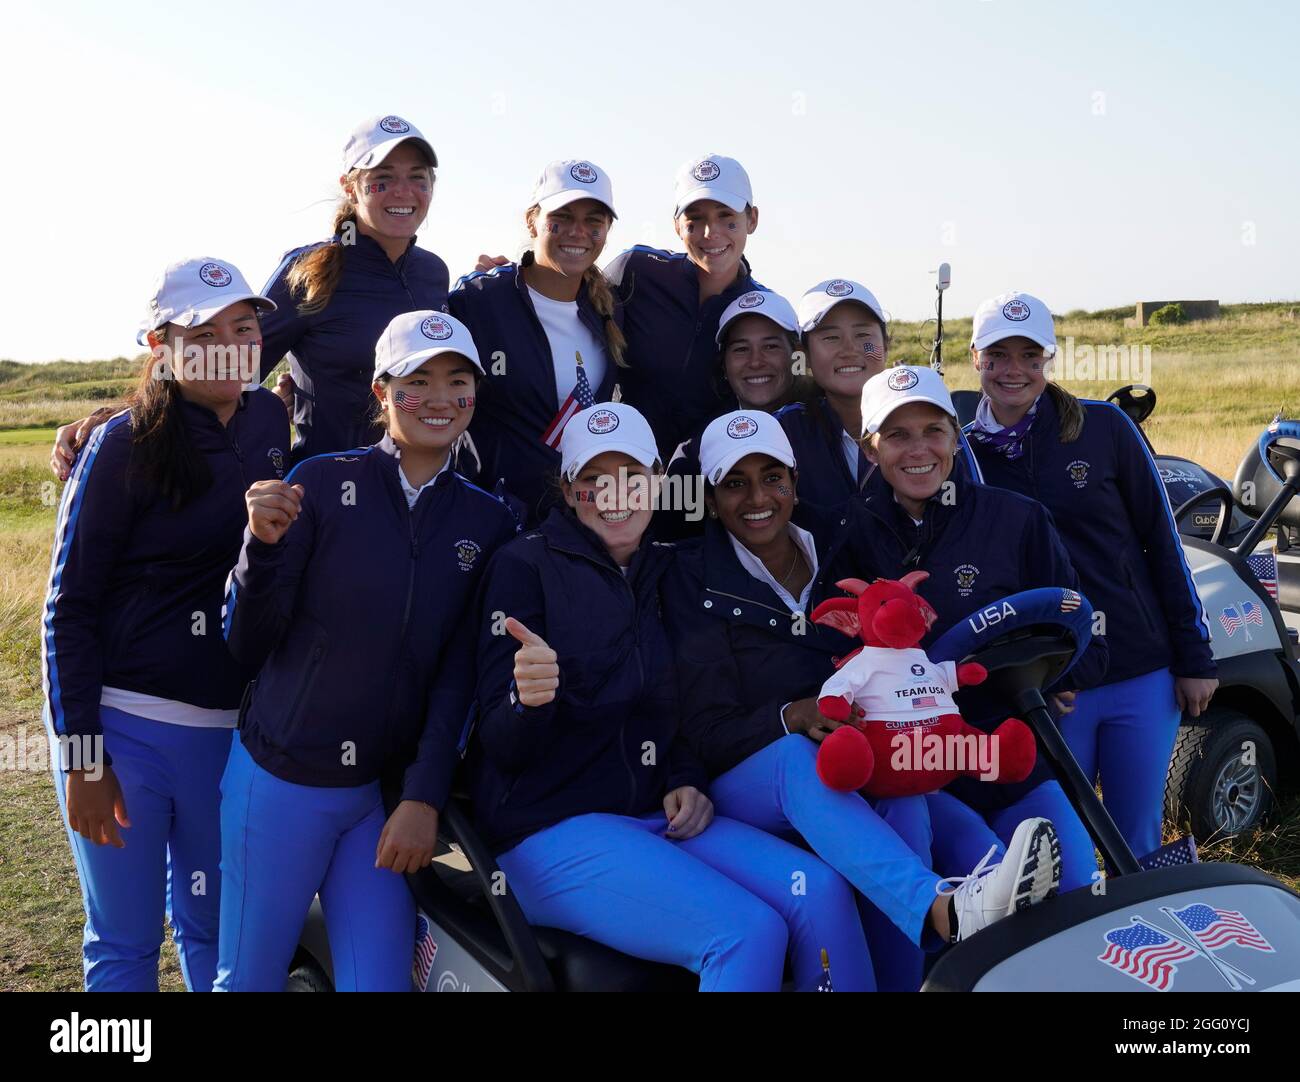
(640, 671)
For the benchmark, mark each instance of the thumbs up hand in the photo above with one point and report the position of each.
(537, 675)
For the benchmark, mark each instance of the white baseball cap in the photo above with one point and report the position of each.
(413, 337)
(377, 137)
(1011, 315)
(569, 180)
(886, 391)
(712, 177)
(606, 426)
(732, 436)
(759, 302)
(193, 291)
(824, 296)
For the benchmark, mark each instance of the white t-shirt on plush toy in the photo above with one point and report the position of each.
(896, 685)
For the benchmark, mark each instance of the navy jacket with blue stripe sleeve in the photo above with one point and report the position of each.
(671, 352)
(360, 621)
(516, 401)
(135, 588)
(610, 739)
(1110, 506)
(333, 350)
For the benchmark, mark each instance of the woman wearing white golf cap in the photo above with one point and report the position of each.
(140, 692)
(750, 667)
(1088, 464)
(847, 343)
(550, 326)
(673, 301)
(336, 296)
(757, 338)
(977, 544)
(351, 596)
(581, 784)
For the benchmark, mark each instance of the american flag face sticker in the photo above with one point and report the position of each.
(406, 401)
(465, 403)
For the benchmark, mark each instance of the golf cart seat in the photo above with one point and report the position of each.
(965, 403)
(489, 926)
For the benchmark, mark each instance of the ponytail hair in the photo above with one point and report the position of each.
(602, 299)
(164, 461)
(1070, 410)
(315, 275)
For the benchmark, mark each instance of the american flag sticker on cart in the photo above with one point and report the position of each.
(425, 952)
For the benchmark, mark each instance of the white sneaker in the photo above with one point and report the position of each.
(1030, 872)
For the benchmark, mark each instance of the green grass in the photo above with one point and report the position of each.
(1218, 383)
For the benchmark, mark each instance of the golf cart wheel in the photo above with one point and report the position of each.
(1213, 783)
(308, 977)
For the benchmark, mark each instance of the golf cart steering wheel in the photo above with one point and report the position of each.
(1137, 400)
(1223, 496)
(1279, 449)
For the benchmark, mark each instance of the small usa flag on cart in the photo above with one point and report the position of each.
(425, 952)
(1263, 565)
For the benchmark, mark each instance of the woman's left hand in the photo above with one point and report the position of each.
(1064, 702)
(1194, 693)
(689, 811)
(407, 841)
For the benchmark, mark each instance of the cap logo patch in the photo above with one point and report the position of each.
(215, 275)
(838, 288)
(1016, 310)
(395, 125)
(742, 427)
(436, 328)
(602, 422)
(584, 173)
(902, 379)
(750, 300)
(706, 171)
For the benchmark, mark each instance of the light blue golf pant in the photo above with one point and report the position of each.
(170, 867)
(725, 904)
(882, 850)
(281, 845)
(1123, 734)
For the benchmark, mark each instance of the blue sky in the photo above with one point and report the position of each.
(1091, 153)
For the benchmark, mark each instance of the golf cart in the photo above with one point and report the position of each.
(1185, 925)
(1168, 922)
(1225, 534)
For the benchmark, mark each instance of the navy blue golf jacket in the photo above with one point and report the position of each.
(135, 587)
(671, 352)
(741, 654)
(517, 401)
(360, 619)
(609, 741)
(1110, 506)
(333, 350)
